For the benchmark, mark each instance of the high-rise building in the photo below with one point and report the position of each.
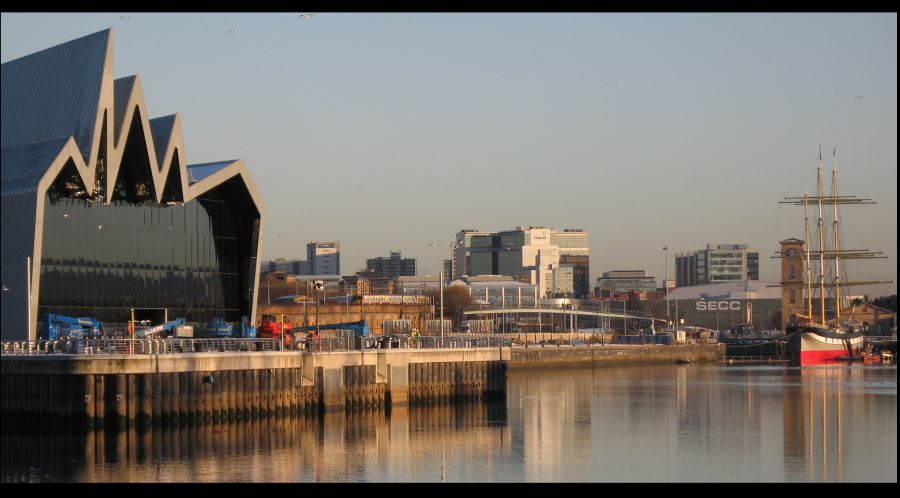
(723, 263)
(393, 266)
(528, 253)
(289, 266)
(574, 251)
(324, 258)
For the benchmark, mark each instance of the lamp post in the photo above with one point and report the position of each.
(666, 282)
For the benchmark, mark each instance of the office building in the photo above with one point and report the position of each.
(393, 266)
(722, 263)
(324, 258)
(528, 254)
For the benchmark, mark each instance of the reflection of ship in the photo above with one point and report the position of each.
(813, 338)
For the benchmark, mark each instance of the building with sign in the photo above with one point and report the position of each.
(718, 306)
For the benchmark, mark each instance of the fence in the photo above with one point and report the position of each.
(138, 346)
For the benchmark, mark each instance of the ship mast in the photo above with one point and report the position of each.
(820, 230)
(837, 240)
(809, 311)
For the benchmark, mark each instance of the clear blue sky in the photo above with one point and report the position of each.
(393, 131)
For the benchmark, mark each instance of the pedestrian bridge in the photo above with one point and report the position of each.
(558, 311)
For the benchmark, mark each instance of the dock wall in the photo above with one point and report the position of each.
(551, 356)
(93, 391)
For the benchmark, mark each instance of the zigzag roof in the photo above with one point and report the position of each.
(68, 92)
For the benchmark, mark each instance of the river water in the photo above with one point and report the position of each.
(678, 423)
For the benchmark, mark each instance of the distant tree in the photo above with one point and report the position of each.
(886, 302)
(456, 299)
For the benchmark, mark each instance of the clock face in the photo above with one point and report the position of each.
(791, 252)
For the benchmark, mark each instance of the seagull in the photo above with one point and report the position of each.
(306, 16)
(125, 18)
(232, 30)
(859, 97)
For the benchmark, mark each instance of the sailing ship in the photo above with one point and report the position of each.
(824, 335)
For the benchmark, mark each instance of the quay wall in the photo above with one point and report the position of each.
(550, 356)
(93, 391)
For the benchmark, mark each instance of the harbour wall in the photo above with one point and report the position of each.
(552, 356)
(93, 391)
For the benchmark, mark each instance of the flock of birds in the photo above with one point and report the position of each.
(305, 17)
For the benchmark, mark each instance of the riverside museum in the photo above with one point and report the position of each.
(101, 214)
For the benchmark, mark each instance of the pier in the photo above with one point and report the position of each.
(129, 383)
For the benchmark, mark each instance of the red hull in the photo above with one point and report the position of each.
(822, 357)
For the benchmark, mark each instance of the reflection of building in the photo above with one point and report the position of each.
(393, 266)
(99, 198)
(528, 254)
(724, 263)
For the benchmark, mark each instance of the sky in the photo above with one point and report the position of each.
(393, 131)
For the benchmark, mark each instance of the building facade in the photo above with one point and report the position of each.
(101, 215)
(393, 266)
(324, 258)
(620, 282)
(528, 253)
(723, 263)
(288, 266)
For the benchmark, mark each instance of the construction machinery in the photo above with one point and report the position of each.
(271, 328)
(220, 328)
(67, 327)
(177, 328)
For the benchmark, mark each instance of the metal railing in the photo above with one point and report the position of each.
(136, 346)
(400, 341)
(230, 345)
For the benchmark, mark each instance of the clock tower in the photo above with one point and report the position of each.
(792, 280)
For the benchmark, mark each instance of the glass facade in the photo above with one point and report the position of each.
(197, 259)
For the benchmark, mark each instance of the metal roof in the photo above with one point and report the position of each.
(18, 165)
(55, 93)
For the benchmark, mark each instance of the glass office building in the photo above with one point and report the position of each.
(99, 227)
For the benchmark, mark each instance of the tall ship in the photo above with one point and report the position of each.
(822, 328)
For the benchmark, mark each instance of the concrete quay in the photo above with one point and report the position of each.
(553, 356)
(93, 391)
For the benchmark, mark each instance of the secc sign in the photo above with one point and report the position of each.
(718, 305)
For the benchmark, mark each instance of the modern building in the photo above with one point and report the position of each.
(393, 266)
(620, 282)
(528, 253)
(324, 258)
(101, 214)
(500, 291)
(574, 251)
(723, 263)
(289, 266)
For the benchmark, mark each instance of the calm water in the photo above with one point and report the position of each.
(677, 423)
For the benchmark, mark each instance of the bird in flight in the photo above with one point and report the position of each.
(232, 30)
(306, 17)
(858, 97)
(125, 18)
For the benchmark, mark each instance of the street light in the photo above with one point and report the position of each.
(666, 283)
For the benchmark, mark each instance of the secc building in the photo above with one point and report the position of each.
(718, 306)
(101, 214)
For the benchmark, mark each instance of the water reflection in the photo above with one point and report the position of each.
(684, 423)
(371, 445)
